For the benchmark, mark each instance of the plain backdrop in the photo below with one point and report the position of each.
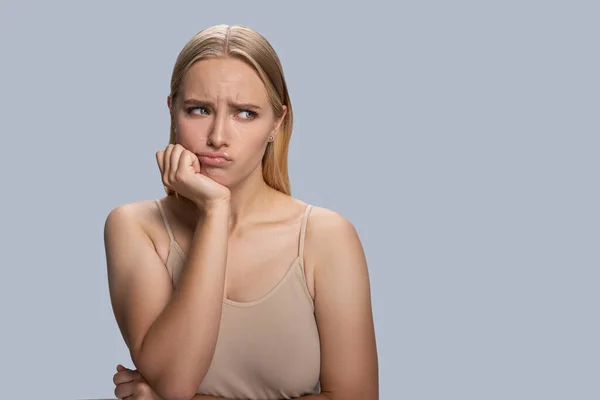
(460, 138)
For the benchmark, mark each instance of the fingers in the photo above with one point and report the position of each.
(124, 390)
(190, 159)
(167, 162)
(134, 389)
(159, 160)
(175, 161)
(130, 384)
(126, 375)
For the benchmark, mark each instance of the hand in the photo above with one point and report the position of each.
(180, 170)
(131, 385)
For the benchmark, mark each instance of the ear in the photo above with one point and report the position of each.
(279, 122)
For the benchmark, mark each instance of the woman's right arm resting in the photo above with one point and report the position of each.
(171, 333)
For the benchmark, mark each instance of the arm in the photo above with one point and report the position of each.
(171, 335)
(349, 366)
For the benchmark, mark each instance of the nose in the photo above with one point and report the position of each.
(217, 136)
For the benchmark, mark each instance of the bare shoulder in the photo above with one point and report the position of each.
(329, 232)
(144, 217)
(322, 218)
(333, 247)
(130, 228)
(141, 213)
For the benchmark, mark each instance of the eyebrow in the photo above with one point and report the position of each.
(249, 106)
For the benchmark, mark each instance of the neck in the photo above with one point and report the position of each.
(249, 200)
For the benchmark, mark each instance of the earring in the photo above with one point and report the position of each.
(270, 138)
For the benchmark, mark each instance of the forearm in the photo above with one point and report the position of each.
(177, 349)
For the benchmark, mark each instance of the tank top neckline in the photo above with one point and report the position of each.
(296, 263)
(265, 297)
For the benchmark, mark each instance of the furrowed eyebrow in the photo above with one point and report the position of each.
(246, 106)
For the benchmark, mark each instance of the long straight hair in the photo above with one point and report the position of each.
(222, 41)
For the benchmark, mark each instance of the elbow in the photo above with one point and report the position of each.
(176, 386)
(166, 381)
(175, 392)
(169, 386)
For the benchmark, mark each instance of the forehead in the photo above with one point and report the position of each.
(229, 77)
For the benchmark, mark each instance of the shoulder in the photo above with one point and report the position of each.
(329, 226)
(139, 215)
(137, 224)
(331, 238)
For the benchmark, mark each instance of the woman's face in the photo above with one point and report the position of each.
(223, 107)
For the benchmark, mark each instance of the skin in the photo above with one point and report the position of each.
(256, 217)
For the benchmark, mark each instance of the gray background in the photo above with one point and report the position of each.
(461, 139)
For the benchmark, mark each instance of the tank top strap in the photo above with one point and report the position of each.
(303, 234)
(165, 220)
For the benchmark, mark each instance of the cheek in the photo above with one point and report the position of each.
(190, 132)
(252, 143)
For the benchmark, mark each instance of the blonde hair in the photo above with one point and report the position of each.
(221, 41)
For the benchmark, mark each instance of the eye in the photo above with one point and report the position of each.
(191, 110)
(249, 114)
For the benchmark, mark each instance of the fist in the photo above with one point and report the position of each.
(131, 385)
(181, 172)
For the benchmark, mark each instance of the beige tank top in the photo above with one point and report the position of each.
(268, 348)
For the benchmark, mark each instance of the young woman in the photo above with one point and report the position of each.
(228, 287)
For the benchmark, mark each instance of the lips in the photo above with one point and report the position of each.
(215, 154)
(214, 158)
